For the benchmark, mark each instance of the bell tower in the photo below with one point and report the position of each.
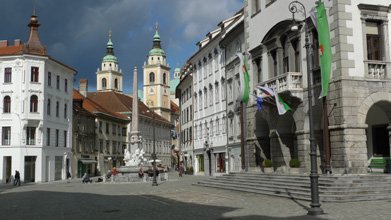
(157, 79)
(109, 78)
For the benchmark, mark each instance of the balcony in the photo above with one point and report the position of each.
(288, 82)
(376, 69)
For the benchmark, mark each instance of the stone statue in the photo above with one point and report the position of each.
(135, 159)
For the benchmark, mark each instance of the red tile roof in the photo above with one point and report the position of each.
(121, 103)
(93, 107)
(11, 50)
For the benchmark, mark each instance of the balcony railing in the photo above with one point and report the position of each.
(290, 81)
(376, 69)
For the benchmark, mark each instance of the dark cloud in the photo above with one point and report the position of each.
(76, 32)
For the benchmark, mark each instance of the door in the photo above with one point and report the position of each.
(7, 168)
(380, 140)
(29, 168)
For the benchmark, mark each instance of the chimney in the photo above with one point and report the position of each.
(3, 43)
(17, 42)
(83, 87)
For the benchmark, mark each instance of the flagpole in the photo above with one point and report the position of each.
(326, 138)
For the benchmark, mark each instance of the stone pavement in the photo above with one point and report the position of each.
(174, 199)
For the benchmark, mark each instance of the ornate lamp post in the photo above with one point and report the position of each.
(294, 7)
(154, 182)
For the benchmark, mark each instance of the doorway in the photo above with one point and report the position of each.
(29, 168)
(7, 168)
(380, 140)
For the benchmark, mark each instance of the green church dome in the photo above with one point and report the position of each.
(157, 52)
(110, 58)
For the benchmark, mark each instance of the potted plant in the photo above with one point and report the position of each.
(267, 166)
(294, 165)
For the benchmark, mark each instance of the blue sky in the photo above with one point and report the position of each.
(76, 32)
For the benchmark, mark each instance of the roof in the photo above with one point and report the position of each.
(174, 107)
(93, 107)
(11, 50)
(173, 84)
(121, 103)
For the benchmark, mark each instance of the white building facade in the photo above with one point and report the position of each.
(209, 107)
(36, 111)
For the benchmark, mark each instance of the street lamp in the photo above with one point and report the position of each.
(154, 182)
(294, 7)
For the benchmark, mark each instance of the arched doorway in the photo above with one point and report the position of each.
(378, 120)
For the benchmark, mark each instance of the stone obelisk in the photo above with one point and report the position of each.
(135, 138)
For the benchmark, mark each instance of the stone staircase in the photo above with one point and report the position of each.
(334, 188)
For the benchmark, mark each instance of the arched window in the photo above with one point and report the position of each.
(164, 78)
(7, 104)
(104, 83)
(152, 77)
(116, 83)
(33, 103)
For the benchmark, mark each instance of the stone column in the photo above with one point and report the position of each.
(386, 49)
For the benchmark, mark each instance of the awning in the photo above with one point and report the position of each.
(87, 161)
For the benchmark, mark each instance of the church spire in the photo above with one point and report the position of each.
(110, 57)
(110, 48)
(34, 45)
(156, 37)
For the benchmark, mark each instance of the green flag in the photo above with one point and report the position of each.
(324, 47)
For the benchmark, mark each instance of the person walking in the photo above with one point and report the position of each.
(180, 169)
(17, 178)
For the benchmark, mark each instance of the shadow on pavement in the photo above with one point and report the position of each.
(60, 205)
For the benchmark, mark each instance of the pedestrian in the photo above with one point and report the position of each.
(17, 178)
(180, 167)
(68, 177)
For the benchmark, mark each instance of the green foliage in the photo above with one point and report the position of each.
(189, 170)
(294, 163)
(267, 163)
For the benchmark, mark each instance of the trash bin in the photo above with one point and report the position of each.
(388, 166)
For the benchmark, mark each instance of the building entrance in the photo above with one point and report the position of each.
(380, 140)
(7, 161)
(29, 168)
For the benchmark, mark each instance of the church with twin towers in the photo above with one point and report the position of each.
(121, 125)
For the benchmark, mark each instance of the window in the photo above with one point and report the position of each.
(107, 128)
(104, 83)
(30, 134)
(195, 101)
(58, 82)
(114, 129)
(100, 126)
(48, 107)
(65, 111)
(374, 41)
(217, 95)
(66, 85)
(33, 103)
(6, 134)
(116, 83)
(57, 109)
(57, 136)
(211, 95)
(200, 101)
(255, 6)
(152, 77)
(49, 79)
(164, 78)
(100, 145)
(205, 98)
(124, 131)
(8, 75)
(7, 104)
(47, 136)
(65, 138)
(222, 88)
(34, 74)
